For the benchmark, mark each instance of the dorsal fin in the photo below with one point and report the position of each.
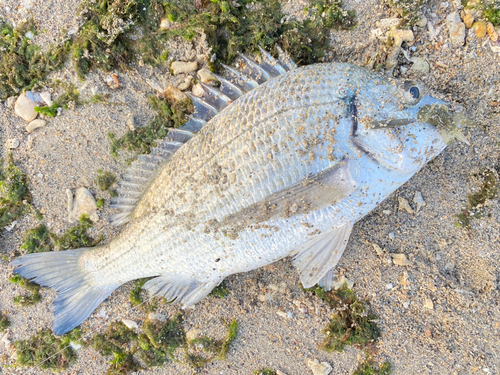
(236, 83)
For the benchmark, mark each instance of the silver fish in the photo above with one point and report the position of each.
(285, 170)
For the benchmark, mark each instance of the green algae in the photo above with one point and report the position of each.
(351, 324)
(38, 240)
(265, 371)
(105, 180)
(26, 299)
(46, 351)
(368, 367)
(220, 291)
(475, 202)
(407, 9)
(77, 236)
(68, 95)
(4, 322)
(15, 197)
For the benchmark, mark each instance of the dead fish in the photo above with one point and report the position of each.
(278, 161)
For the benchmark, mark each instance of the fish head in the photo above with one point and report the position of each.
(397, 119)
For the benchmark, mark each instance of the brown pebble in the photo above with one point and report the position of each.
(479, 28)
(490, 29)
(468, 20)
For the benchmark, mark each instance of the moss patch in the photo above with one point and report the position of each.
(77, 236)
(352, 323)
(407, 9)
(220, 291)
(22, 63)
(170, 114)
(38, 240)
(47, 351)
(105, 180)
(368, 367)
(492, 12)
(265, 371)
(4, 322)
(26, 299)
(475, 202)
(15, 197)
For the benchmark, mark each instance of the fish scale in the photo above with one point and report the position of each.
(286, 169)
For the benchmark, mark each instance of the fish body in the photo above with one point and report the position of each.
(284, 170)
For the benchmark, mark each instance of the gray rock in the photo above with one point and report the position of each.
(179, 67)
(25, 108)
(81, 203)
(46, 98)
(35, 124)
(317, 368)
(12, 143)
(205, 75)
(456, 29)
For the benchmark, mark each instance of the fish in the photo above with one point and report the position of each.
(278, 161)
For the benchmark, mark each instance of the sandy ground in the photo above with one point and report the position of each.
(457, 269)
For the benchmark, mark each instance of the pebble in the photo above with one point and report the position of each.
(173, 93)
(179, 67)
(25, 108)
(418, 200)
(404, 205)
(47, 98)
(400, 260)
(112, 81)
(392, 236)
(198, 90)
(8, 344)
(387, 23)
(399, 37)
(9, 103)
(377, 249)
(12, 143)
(157, 316)
(389, 286)
(131, 122)
(130, 323)
(279, 372)
(81, 203)
(456, 29)
(35, 124)
(317, 368)
(186, 84)
(192, 334)
(205, 75)
(337, 284)
(165, 23)
(422, 22)
(428, 304)
(468, 20)
(420, 65)
(479, 28)
(491, 32)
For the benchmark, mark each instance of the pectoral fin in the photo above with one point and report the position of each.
(313, 193)
(316, 258)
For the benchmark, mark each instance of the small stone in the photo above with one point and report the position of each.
(130, 323)
(157, 316)
(186, 84)
(456, 29)
(131, 122)
(46, 98)
(179, 67)
(377, 249)
(75, 345)
(422, 21)
(25, 108)
(35, 124)
(318, 368)
(279, 372)
(205, 75)
(418, 200)
(428, 304)
(404, 205)
(9, 103)
(341, 281)
(491, 32)
(198, 90)
(282, 314)
(94, 217)
(165, 23)
(6, 341)
(387, 23)
(103, 313)
(468, 20)
(386, 212)
(12, 143)
(80, 203)
(112, 81)
(392, 235)
(192, 334)
(420, 65)
(479, 28)
(400, 260)
(389, 286)
(175, 94)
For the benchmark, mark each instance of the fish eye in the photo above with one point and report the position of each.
(411, 92)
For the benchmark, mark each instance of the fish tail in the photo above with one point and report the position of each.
(78, 293)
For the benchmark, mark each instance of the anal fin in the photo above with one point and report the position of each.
(187, 294)
(318, 257)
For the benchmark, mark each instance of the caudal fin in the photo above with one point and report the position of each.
(77, 292)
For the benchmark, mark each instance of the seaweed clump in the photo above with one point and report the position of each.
(15, 197)
(241, 26)
(4, 322)
(46, 351)
(220, 291)
(38, 240)
(22, 63)
(77, 236)
(26, 300)
(475, 203)
(352, 323)
(492, 12)
(367, 367)
(264, 371)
